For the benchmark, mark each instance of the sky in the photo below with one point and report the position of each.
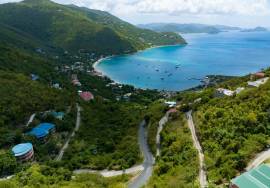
(243, 13)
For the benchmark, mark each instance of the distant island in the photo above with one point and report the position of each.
(188, 28)
(256, 29)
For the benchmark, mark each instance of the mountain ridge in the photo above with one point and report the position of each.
(71, 28)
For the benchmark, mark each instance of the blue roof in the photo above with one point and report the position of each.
(22, 149)
(42, 130)
(58, 114)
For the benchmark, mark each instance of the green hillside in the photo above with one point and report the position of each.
(50, 25)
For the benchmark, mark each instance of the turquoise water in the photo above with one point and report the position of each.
(179, 67)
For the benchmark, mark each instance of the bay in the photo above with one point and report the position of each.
(180, 67)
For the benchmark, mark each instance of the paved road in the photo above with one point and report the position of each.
(145, 168)
(162, 122)
(111, 173)
(259, 159)
(148, 159)
(202, 175)
(78, 123)
(32, 117)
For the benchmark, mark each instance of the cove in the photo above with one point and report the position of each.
(179, 67)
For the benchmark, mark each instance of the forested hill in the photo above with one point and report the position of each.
(53, 26)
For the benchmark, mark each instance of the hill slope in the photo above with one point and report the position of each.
(72, 28)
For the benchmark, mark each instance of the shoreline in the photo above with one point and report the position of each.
(96, 63)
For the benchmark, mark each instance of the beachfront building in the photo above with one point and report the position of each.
(256, 178)
(220, 92)
(42, 131)
(258, 83)
(86, 96)
(23, 152)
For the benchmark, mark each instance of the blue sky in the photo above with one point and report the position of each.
(244, 13)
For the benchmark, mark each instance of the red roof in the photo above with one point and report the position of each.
(87, 96)
(172, 110)
(259, 74)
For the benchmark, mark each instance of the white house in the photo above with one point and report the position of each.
(170, 103)
(259, 82)
(223, 92)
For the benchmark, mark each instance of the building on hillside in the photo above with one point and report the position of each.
(127, 96)
(258, 83)
(256, 178)
(86, 96)
(56, 86)
(34, 77)
(220, 92)
(58, 115)
(239, 90)
(42, 131)
(23, 152)
(198, 100)
(257, 75)
(76, 83)
(74, 77)
(172, 111)
(171, 104)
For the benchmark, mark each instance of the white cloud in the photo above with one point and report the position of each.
(166, 10)
(241, 7)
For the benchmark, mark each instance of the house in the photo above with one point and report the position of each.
(258, 177)
(220, 92)
(76, 83)
(198, 100)
(86, 96)
(58, 115)
(127, 96)
(34, 77)
(23, 151)
(239, 90)
(56, 86)
(170, 103)
(172, 111)
(74, 77)
(258, 83)
(257, 75)
(42, 130)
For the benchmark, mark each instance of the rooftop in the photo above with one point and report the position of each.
(256, 178)
(259, 82)
(87, 96)
(22, 149)
(41, 130)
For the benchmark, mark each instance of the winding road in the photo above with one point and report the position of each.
(259, 159)
(148, 159)
(162, 122)
(146, 168)
(78, 123)
(202, 175)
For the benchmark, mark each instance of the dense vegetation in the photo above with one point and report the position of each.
(59, 28)
(107, 137)
(178, 163)
(54, 177)
(233, 130)
(154, 113)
